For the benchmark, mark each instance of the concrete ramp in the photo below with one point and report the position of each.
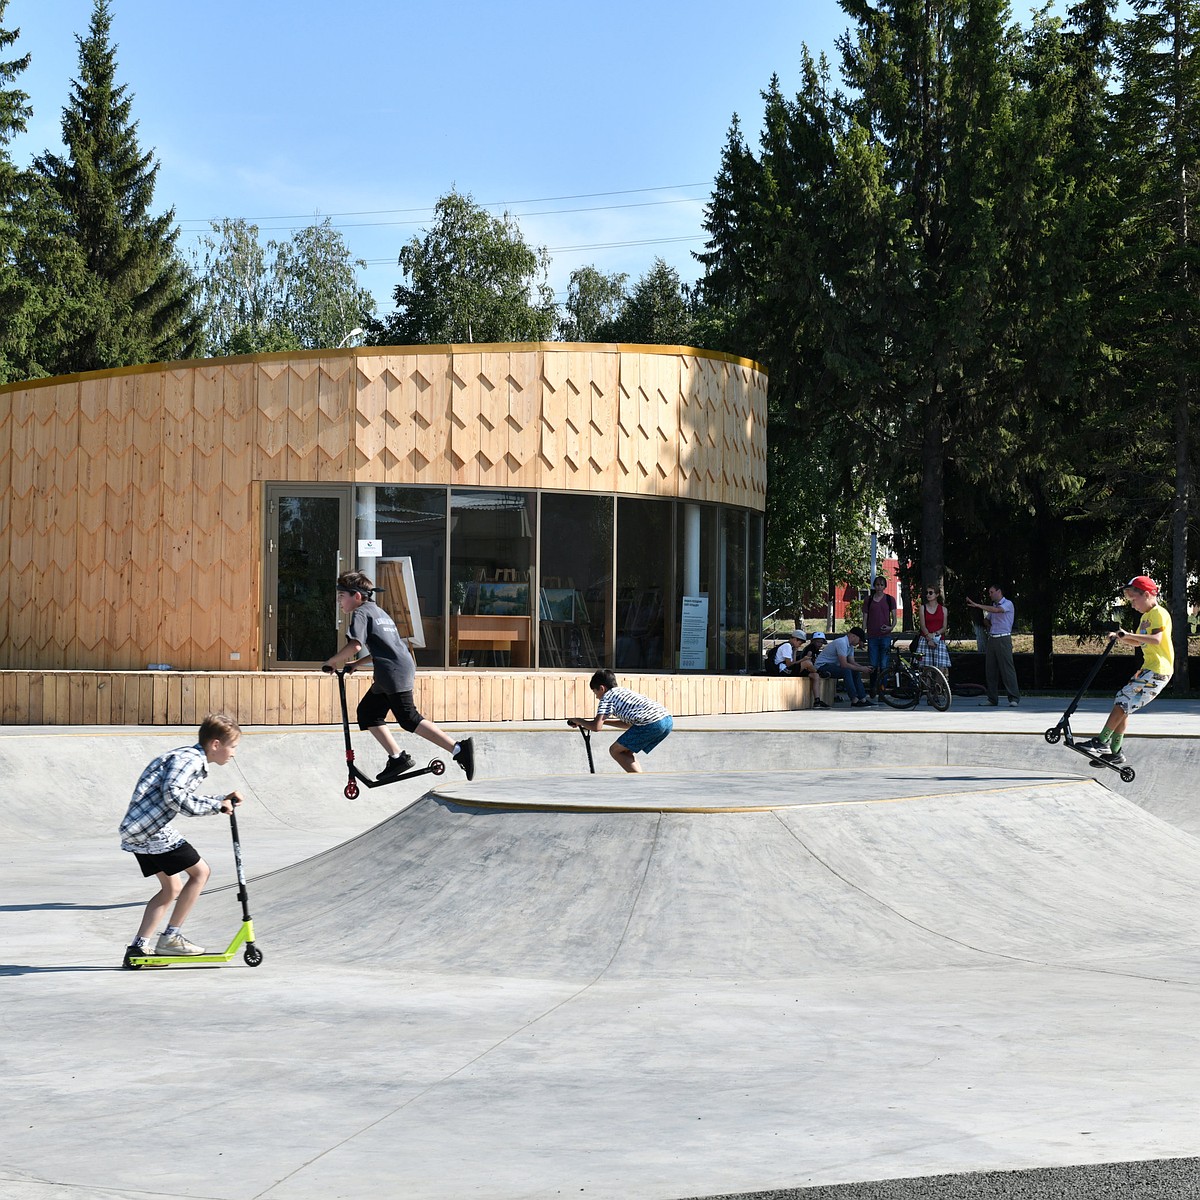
(750, 877)
(625, 988)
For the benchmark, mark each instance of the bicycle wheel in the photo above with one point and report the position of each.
(936, 687)
(900, 688)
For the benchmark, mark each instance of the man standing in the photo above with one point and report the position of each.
(998, 655)
(879, 617)
(1158, 665)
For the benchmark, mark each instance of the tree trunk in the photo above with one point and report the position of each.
(933, 497)
(1041, 594)
(1179, 538)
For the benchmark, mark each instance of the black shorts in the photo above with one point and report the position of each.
(374, 707)
(170, 863)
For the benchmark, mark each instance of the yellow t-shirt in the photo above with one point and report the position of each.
(1160, 658)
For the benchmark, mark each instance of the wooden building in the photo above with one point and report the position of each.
(555, 503)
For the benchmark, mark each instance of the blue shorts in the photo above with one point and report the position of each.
(643, 738)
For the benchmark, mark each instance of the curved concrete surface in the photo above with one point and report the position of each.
(680, 984)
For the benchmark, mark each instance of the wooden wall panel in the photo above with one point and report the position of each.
(308, 698)
(130, 522)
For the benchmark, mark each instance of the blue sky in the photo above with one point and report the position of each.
(598, 126)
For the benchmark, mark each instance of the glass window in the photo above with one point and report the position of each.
(411, 523)
(644, 561)
(491, 556)
(574, 596)
(732, 641)
(754, 591)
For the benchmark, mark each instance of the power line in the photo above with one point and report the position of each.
(696, 237)
(492, 204)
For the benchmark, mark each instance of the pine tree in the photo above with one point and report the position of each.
(135, 298)
(14, 290)
(1157, 144)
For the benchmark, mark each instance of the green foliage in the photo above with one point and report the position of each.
(593, 302)
(130, 295)
(302, 294)
(470, 278)
(14, 290)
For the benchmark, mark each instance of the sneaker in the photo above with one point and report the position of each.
(395, 768)
(176, 944)
(1013, 703)
(990, 704)
(466, 756)
(1114, 758)
(1093, 746)
(820, 704)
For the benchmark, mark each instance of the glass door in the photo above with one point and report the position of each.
(308, 540)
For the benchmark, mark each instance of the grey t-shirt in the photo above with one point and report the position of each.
(373, 629)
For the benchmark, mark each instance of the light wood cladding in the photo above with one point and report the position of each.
(310, 698)
(130, 500)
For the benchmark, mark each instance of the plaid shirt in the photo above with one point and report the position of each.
(166, 789)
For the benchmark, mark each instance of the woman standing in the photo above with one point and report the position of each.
(932, 619)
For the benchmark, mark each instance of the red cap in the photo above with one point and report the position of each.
(1143, 583)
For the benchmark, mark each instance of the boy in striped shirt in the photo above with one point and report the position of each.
(645, 722)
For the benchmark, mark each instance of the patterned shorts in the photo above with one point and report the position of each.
(1141, 689)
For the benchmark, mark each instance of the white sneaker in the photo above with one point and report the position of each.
(176, 943)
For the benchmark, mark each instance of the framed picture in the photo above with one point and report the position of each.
(565, 605)
(502, 600)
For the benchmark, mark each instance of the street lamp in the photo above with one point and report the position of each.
(352, 334)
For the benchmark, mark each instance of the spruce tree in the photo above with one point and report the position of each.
(135, 297)
(1157, 146)
(14, 291)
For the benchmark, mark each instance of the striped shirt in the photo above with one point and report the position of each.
(166, 788)
(631, 707)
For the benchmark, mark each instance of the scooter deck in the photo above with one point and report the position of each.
(243, 937)
(435, 767)
(1123, 769)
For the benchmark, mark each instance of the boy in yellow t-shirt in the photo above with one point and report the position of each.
(1158, 665)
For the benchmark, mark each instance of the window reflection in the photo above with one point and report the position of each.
(643, 583)
(577, 533)
(491, 555)
(411, 523)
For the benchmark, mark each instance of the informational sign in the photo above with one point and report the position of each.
(693, 634)
(370, 547)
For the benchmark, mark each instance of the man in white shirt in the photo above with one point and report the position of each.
(998, 656)
(837, 660)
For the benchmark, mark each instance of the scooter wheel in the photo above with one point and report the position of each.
(1054, 736)
(350, 791)
(1128, 774)
(253, 956)
(437, 767)
(130, 965)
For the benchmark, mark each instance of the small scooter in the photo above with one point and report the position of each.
(351, 790)
(1062, 731)
(587, 741)
(252, 955)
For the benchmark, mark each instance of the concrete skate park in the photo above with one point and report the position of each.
(840, 954)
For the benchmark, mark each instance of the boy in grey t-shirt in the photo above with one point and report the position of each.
(371, 629)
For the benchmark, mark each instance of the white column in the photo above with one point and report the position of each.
(364, 526)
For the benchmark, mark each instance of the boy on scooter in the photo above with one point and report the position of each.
(394, 672)
(168, 787)
(1158, 665)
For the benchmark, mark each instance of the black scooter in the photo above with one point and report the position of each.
(1062, 731)
(350, 791)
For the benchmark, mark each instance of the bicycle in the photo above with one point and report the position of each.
(906, 680)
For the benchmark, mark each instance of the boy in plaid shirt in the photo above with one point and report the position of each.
(168, 787)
